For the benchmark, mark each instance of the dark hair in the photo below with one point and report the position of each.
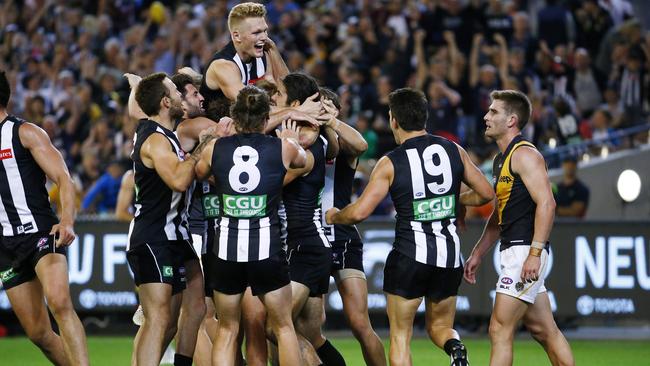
(299, 87)
(251, 109)
(181, 80)
(409, 107)
(515, 102)
(269, 87)
(150, 92)
(330, 95)
(5, 90)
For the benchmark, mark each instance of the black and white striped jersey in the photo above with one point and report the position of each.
(249, 72)
(339, 177)
(302, 201)
(249, 173)
(425, 189)
(25, 205)
(160, 213)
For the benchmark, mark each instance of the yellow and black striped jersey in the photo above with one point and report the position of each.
(516, 209)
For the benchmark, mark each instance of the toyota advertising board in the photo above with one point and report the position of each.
(596, 269)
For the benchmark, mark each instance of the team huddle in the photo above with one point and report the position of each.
(243, 181)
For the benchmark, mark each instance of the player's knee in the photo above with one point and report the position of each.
(60, 305)
(498, 330)
(360, 325)
(38, 334)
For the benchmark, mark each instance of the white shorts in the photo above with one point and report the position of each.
(509, 282)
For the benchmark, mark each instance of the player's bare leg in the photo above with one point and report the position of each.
(505, 316)
(52, 272)
(207, 331)
(192, 309)
(541, 325)
(228, 309)
(254, 319)
(156, 300)
(354, 293)
(401, 313)
(439, 320)
(27, 301)
(277, 304)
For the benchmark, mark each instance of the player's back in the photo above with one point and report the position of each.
(302, 200)
(249, 173)
(428, 171)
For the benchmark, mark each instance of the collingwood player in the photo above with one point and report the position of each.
(33, 241)
(522, 218)
(347, 248)
(159, 239)
(249, 169)
(250, 56)
(310, 252)
(425, 260)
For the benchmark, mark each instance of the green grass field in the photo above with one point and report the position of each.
(116, 351)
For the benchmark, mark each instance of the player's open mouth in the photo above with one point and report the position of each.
(259, 46)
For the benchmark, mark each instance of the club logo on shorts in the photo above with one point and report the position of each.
(506, 281)
(519, 286)
(42, 244)
(434, 208)
(7, 275)
(244, 206)
(168, 271)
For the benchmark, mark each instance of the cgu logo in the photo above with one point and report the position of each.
(245, 202)
(435, 204)
(505, 179)
(6, 154)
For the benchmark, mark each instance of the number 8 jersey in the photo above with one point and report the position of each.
(428, 171)
(249, 172)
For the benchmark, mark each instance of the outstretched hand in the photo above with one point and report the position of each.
(311, 105)
(290, 130)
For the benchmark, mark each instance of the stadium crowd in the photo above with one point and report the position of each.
(583, 64)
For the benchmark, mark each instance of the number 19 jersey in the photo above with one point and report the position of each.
(428, 171)
(249, 172)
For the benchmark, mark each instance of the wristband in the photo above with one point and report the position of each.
(537, 245)
(535, 252)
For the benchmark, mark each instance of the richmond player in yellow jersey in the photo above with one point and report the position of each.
(523, 218)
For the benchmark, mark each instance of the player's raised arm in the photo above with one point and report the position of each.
(377, 188)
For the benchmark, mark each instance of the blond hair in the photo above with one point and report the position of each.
(244, 11)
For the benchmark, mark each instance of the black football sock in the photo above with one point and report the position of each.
(457, 352)
(180, 360)
(329, 355)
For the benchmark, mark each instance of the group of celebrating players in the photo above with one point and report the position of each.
(248, 165)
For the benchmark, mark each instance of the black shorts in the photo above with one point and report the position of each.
(19, 255)
(161, 262)
(405, 277)
(263, 276)
(347, 254)
(311, 266)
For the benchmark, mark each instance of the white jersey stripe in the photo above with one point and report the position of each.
(170, 228)
(259, 66)
(417, 178)
(15, 182)
(441, 244)
(454, 234)
(243, 226)
(327, 200)
(265, 238)
(319, 228)
(242, 69)
(420, 242)
(223, 238)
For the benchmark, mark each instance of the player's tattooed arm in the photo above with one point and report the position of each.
(377, 188)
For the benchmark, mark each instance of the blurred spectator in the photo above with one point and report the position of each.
(101, 198)
(592, 23)
(443, 117)
(555, 25)
(566, 125)
(601, 130)
(363, 126)
(586, 83)
(571, 195)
